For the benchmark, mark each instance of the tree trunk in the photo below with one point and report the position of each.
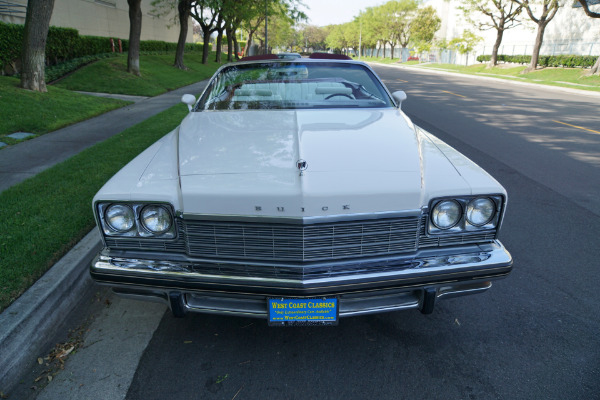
(135, 32)
(219, 28)
(183, 7)
(219, 48)
(596, 68)
(392, 54)
(494, 60)
(229, 44)
(535, 56)
(206, 40)
(248, 44)
(236, 46)
(33, 57)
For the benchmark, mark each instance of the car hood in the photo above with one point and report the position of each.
(246, 163)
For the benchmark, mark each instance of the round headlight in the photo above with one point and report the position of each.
(480, 211)
(156, 219)
(120, 217)
(446, 214)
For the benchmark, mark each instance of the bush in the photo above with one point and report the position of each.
(567, 61)
(11, 37)
(65, 44)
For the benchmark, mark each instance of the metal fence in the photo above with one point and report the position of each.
(548, 49)
(449, 56)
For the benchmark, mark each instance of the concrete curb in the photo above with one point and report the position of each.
(580, 92)
(27, 325)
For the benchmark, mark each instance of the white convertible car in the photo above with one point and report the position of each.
(298, 191)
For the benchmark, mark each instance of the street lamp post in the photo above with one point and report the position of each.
(360, 42)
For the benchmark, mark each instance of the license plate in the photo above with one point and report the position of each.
(286, 311)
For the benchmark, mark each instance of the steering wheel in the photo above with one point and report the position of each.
(339, 94)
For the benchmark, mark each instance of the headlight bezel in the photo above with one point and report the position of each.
(139, 230)
(464, 225)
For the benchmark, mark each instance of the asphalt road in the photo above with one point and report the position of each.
(534, 335)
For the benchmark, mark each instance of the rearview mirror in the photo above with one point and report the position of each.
(188, 99)
(399, 96)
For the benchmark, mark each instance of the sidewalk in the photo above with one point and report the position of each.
(27, 325)
(31, 157)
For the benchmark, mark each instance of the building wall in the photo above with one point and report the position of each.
(108, 18)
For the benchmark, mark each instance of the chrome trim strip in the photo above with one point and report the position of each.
(255, 306)
(276, 219)
(442, 266)
(377, 310)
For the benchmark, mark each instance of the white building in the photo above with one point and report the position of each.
(570, 32)
(108, 18)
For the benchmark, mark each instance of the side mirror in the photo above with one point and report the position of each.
(188, 99)
(399, 96)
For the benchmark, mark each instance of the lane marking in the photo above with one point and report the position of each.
(575, 126)
(459, 95)
(400, 80)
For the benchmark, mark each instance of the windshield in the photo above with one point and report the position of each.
(294, 85)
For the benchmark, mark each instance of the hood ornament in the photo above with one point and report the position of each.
(302, 166)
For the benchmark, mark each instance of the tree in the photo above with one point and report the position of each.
(219, 28)
(205, 12)
(336, 39)
(501, 15)
(596, 68)
(397, 19)
(282, 33)
(549, 9)
(376, 30)
(165, 7)
(135, 32)
(425, 24)
(33, 56)
(367, 33)
(402, 21)
(234, 13)
(276, 9)
(312, 36)
(183, 11)
(465, 43)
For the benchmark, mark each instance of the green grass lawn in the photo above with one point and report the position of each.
(158, 75)
(564, 77)
(380, 60)
(43, 217)
(34, 112)
(388, 60)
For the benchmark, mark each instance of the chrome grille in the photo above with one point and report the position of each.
(300, 243)
(249, 241)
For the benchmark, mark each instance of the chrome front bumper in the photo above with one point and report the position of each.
(411, 282)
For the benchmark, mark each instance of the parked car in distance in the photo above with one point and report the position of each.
(288, 56)
(297, 191)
